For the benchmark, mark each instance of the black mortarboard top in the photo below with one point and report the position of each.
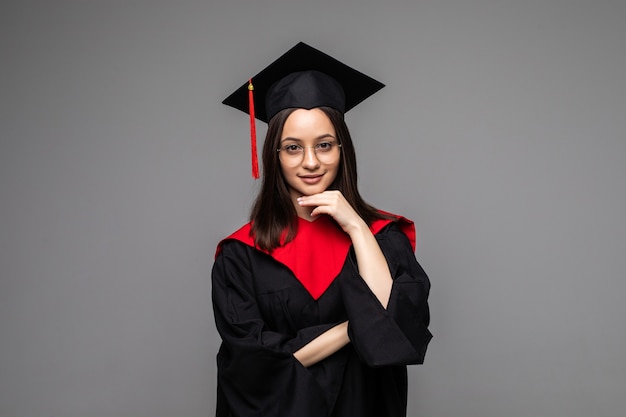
(304, 90)
(303, 77)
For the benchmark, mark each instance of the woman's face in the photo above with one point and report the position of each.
(309, 152)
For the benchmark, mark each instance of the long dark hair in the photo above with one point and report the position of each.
(273, 215)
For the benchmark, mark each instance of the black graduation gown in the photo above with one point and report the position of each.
(264, 314)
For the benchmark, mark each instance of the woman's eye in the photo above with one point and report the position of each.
(292, 148)
(324, 146)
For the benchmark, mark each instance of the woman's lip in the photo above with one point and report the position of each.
(311, 179)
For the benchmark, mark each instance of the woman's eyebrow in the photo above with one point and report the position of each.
(324, 136)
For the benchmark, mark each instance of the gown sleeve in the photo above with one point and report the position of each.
(257, 372)
(398, 335)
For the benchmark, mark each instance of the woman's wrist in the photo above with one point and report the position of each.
(357, 228)
(324, 345)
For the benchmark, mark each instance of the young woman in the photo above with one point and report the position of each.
(319, 299)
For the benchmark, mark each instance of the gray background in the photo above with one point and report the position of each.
(501, 131)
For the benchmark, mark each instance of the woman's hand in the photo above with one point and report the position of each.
(371, 262)
(334, 204)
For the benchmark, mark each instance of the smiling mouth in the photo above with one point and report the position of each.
(311, 179)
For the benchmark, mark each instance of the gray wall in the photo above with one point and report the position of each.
(501, 131)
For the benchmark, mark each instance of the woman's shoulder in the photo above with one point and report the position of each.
(391, 223)
(241, 235)
(244, 233)
(393, 217)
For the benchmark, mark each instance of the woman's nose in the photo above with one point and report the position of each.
(310, 160)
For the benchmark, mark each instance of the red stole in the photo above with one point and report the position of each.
(319, 250)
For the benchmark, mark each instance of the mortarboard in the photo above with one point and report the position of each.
(303, 77)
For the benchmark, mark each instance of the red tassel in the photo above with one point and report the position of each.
(255, 160)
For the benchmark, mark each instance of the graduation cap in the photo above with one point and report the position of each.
(303, 77)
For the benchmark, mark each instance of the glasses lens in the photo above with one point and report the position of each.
(324, 151)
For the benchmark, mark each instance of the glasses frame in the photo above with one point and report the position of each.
(304, 148)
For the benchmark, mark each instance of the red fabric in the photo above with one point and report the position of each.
(319, 250)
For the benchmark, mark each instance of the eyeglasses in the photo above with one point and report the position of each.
(324, 151)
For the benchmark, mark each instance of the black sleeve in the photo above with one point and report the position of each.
(257, 372)
(398, 335)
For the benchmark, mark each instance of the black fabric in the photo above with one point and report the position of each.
(305, 90)
(356, 86)
(264, 314)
